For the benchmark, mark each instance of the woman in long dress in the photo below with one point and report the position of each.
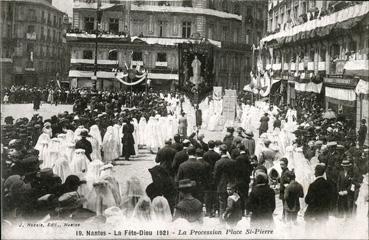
(79, 162)
(133, 192)
(161, 210)
(42, 146)
(61, 167)
(134, 122)
(141, 131)
(143, 210)
(108, 145)
(96, 142)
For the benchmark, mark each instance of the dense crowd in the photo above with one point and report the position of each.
(63, 166)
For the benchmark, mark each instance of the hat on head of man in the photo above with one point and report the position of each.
(346, 163)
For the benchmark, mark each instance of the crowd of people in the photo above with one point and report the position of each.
(62, 166)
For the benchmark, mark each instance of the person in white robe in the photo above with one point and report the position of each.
(141, 131)
(42, 146)
(79, 162)
(163, 130)
(149, 133)
(304, 172)
(109, 145)
(54, 153)
(213, 121)
(161, 210)
(95, 142)
(134, 122)
(61, 167)
(77, 133)
(117, 141)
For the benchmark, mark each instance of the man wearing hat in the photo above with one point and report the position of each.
(249, 142)
(180, 156)
(291, 197)
(177, 145)
(319, 198)
(211, 157)
(348, 183)
(85, 144)
(239, 138)
(224, 170)
(188, 208)
(228, 139)
(362, 132)
(165, 157)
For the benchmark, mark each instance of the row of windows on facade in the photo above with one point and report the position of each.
(163, 29)
(292, 10)
(136, 56)
(336, 52)
(51, 35)
(31, 15)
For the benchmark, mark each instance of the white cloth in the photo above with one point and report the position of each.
(79, 162)
(96, 148)
(141, 131)
(109, 145)
(42, 146)
(61, 167)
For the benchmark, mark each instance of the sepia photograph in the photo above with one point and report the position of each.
(184, 119)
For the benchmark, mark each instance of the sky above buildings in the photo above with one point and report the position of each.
(65, 6)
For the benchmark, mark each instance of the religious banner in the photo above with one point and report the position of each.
(196, 78)
(229, 105)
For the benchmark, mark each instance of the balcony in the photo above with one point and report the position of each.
(184, 10)
(161, 64)
(31, 36)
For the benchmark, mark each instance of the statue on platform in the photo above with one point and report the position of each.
(196, 69)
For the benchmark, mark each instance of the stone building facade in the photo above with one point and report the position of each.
(323, 52)
(148, 33)
(33, 43)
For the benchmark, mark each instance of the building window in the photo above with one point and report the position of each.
(87, 54)
(32, 14)
(42, 16)
(210, 31)
(60, 21)
(114, 25)
(186, 29)
(137, 56)
(48, 34)
(322, 54)
(49, 18)
(224, 6)
(187, 3)
(31, 29)
(236, 8)
(113, 55)
(248, 35)
(162, 25)
(54, 35)
(224, 33)
(42, 33)
(211, 4)
(89, 24)
(55, 21)
(249, 11)
(162, 57)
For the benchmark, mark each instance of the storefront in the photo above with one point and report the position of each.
(340, 96)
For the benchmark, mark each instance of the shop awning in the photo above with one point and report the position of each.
(362, 87)
(164, 76)
(89, 74)
(357, 67)
(344, 19)
(341, 94)
(92, 61)
(308, 87)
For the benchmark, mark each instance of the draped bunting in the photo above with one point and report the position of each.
(120, 79)
(308, 87)
(341, 94)
(362, 87)
(344, 19)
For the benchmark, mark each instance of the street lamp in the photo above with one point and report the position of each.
(98, 21)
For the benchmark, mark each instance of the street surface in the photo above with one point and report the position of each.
(138, 166)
